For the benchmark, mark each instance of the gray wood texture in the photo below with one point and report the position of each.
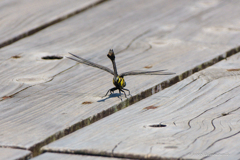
(20, 18)
(201, 114)
(43, 100)
(59, 156)
(14, 154)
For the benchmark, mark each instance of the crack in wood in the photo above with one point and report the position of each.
(212, 123)
(12, 95)
(134, 39)
(187, 84)
(116, 147)
(211, 154)
(51, 79)
(226, 92)
(187, 103)
(150, 47)
(150, 151)
(189, 122)
(222, 139)
(184, 155)
(203, 86)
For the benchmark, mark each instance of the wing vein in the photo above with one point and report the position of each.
(87, 62)
(158, 72)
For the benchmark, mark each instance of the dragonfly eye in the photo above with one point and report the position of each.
(111, 54)
(111, 51)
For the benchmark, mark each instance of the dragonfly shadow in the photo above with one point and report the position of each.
(111, 96)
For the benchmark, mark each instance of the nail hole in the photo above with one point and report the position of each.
(233, 69)
(171, 147)
(52, 57)
(149, 66)
(87, 102)
(6, 97)
(158, 125)
(150, 107)
(16, 56)
(224, 114)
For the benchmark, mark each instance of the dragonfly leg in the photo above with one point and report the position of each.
(123, 92)
(111, 91)
(127, 90)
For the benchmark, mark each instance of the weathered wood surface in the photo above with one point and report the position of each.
(201, 114)
(10, 154)
(42, 100)
(59, 156)
(19, 18)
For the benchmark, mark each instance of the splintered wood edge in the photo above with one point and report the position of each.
(45, 25)
(37, 149)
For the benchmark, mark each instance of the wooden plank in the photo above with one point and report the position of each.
(197, 118)
(21, 18)
(9, 153)
(43, 100)
(59, 156)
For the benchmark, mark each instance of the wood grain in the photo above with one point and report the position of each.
(9, 153)
(21, 18)
(197, 118)
(44, 100)
(59, 156)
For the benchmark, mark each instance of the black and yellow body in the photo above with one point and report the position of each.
(118, 80)
(119, 84)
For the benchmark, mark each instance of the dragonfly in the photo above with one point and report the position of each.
(118, 79)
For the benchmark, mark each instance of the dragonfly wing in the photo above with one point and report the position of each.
(158, 72)
(87, 62)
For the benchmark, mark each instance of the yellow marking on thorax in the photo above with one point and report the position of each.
(120, 82)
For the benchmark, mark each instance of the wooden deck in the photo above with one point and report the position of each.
(9, 153)
(48, 103)
(194, 118)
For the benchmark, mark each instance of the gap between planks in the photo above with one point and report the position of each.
(95, 156)
(48, 24)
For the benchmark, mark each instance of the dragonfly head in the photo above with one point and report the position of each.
(111, 54)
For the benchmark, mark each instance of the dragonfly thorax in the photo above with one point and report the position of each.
(119, 82)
